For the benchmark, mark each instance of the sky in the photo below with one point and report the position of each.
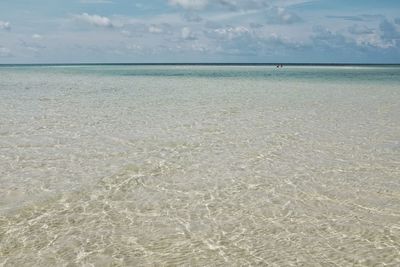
(204, 31)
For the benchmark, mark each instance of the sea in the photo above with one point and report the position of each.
(199, 165)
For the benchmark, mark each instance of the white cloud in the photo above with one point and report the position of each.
(360, 29)
(197, 47)
(190, 4)
(372, 40)
(37, 36)
(235, 4)
(187, 34)
(155, 29)
(95, 20)
(279, 15)
(290, 2)
(5, 25)
(389, 33)
(5, 52)
(231, 32)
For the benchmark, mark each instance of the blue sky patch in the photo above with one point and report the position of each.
(243, 31)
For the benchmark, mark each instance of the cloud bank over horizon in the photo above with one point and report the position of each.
(243, 31)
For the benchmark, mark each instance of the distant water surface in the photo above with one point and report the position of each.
(199, 166)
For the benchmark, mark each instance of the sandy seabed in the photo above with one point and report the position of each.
(189, 170)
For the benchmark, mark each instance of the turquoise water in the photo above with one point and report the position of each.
(308, 73)
(199, 166)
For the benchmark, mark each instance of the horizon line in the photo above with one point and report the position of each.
(196, 64)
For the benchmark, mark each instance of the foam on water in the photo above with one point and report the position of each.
(197, 165)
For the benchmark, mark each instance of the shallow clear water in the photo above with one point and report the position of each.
(199, 166)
